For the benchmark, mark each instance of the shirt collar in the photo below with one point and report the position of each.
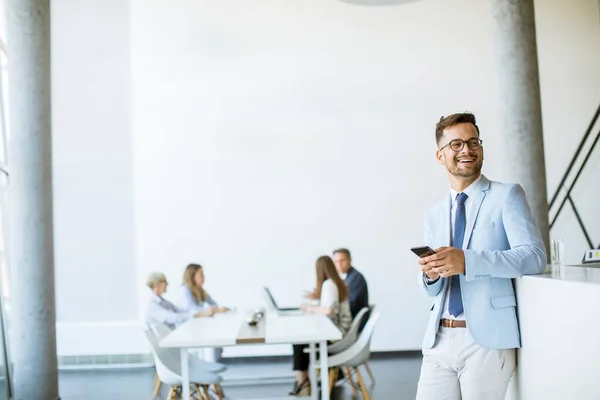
(469, 191)
(344, 275)
(156, 298)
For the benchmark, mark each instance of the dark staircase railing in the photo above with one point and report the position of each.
(561, 185)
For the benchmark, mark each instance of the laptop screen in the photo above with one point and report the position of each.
(271, 297)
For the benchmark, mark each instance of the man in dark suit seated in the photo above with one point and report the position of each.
(359, 292)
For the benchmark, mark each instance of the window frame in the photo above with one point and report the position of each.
(3, 112)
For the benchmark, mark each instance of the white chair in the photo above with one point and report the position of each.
(354, 356)
(162, 331)
(169, 372)
(350, 337)
(367, 367)
(209, 355)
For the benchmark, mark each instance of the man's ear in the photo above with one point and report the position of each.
(440, 156)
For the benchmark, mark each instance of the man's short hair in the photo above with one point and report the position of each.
(343, 251)
(451, 120)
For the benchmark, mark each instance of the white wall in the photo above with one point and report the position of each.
(92, 160)
(267, 133)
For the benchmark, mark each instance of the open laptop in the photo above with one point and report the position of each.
(280, 310)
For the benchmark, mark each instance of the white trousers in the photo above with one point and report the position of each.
(457, 368)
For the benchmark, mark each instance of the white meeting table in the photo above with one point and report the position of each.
(231, 329)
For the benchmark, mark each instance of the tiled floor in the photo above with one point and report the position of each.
(396, 378)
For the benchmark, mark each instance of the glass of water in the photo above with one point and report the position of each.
(557, 256)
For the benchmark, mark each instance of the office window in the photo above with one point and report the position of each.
(3, 103)
(4, 279)
(3, 86)
(5, 376)
(5, 388)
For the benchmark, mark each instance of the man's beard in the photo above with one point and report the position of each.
(455, 170)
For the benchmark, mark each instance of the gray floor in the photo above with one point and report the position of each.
(396, 378)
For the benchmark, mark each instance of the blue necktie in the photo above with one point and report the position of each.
(455, 307)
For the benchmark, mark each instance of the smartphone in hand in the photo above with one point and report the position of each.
(422, 251)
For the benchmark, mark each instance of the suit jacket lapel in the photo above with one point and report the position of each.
(483, 186)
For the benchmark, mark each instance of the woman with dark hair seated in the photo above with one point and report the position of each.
(333, 302)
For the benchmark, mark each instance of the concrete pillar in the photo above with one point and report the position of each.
(519, 104)
(32, 316)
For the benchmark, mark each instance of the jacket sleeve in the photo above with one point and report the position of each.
(527, 254)
(357, 294)
(431, 288)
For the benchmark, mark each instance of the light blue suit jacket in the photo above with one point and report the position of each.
(501, 242)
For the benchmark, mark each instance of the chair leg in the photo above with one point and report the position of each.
(348, 373)
(361, 383)
(219, 391)
(157, 384)
(370, 373)
(179, 393)
(197, 389)
(173, 393)
(331, 379)
(333, 374)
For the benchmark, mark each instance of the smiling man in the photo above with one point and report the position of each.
(484, 235)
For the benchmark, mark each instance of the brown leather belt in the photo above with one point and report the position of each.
(451, 323)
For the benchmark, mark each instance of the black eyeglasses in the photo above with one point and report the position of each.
(458, 144)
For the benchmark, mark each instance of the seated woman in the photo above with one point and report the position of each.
(333, 294)
(162, 311)
(192, 295)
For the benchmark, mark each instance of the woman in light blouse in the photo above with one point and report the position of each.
(333, 294)
(192, 295)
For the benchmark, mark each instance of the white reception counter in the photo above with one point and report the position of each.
(559, 318)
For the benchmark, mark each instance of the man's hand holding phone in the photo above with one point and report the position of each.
(428, 270)
(423, 252)
(445, 262)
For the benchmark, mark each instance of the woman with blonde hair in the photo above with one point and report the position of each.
(192, 295)
(334, 303)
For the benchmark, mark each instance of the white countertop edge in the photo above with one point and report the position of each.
(190, 344)
(579, 274)
(301, 340)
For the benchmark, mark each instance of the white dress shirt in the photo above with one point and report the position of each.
(470, 192)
